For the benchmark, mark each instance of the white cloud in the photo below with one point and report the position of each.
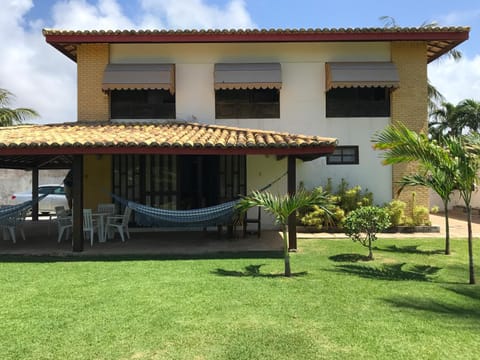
(457, 80)
(195, 14)
(45, 80)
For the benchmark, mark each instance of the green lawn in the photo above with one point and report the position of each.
(412, 302)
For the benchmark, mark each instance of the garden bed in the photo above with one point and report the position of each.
(392, 230)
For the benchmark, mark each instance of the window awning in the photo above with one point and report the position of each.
(139, 76)
(361, 74)
(248, 76)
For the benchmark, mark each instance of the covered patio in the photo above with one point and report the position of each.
(81, 144)
(41, 239)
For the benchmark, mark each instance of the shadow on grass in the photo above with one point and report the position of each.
(138, 257)
(392, 272)
(253, 271)
(468, 307)
(349, 258)
(413, 249)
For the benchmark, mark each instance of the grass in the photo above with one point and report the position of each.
(411, 302)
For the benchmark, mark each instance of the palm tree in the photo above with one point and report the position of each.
(281, 207)
(455, 160)
(468, 113)
(404, 145)
(8, 116)
(445, 121)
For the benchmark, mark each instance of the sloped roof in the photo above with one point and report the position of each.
(439, 39)
(180, 138)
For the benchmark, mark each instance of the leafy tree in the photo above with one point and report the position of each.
(468, 113)
(436, 166)
(281, 207)
(9, 116)
(364, 223)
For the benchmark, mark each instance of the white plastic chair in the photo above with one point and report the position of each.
(89, 227)
(120, 223)
(12, 224)
(64, 222)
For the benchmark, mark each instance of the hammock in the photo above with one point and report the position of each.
(10, 213)
(222, 214)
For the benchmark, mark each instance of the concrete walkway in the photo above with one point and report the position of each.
(457, 221)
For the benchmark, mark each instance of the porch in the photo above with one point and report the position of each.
(41, 239)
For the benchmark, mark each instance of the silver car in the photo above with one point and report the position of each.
(46, 205)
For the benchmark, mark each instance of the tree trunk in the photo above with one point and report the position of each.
(447, 229)
(471, 268)
(286, 254)
(370, 253)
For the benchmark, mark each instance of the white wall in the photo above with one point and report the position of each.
(455, 200)
(302, 101)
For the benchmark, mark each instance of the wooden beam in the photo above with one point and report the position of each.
(35, 194)
(77, 192)
(291, 188)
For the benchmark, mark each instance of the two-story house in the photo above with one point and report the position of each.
(187, 119)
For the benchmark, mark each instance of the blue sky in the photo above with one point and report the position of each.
(45, 74)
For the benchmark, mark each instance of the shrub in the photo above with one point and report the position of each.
(396, 211)
(421, 216)
(364, 223)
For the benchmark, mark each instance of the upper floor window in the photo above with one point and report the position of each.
(247, 90)
(247, 104)
(142, 104)
(358, 102)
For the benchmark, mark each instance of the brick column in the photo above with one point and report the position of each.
(410, 107)
(93, 104)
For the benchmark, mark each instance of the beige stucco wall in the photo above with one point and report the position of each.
(302, 98)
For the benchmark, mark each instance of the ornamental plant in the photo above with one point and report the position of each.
(364, 223)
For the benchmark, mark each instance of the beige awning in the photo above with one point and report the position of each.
(248, 76)
(361, 74)
(139, 76)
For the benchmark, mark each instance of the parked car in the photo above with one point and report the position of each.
(47, 205)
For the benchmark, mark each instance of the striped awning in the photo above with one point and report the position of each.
(361, 74)
(248, 76)
(139, 76)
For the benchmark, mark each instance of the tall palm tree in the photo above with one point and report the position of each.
(281, 207)
(9, 116)
(468, 113)
(445, 121)
(455, 159)
(404, 145)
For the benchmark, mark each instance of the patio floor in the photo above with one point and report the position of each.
(41, 239)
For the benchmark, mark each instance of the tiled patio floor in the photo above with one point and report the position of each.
(41, 239)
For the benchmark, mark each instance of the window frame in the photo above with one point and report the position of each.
(356, 155)
(134, 106)
(247, 99)
(357, 102)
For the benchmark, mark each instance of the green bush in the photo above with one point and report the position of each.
(421, 216)
(396, 211)
(344, 200)
(364, 223)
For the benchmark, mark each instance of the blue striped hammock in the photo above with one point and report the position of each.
(221, 214)
(10, 213)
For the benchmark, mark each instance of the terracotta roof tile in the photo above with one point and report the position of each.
(158, 135)
(439, 39)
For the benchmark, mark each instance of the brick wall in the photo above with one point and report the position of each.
(409, 106)
(92, 101)
(93, 105)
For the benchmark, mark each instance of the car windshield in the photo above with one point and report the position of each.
(51, 190)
